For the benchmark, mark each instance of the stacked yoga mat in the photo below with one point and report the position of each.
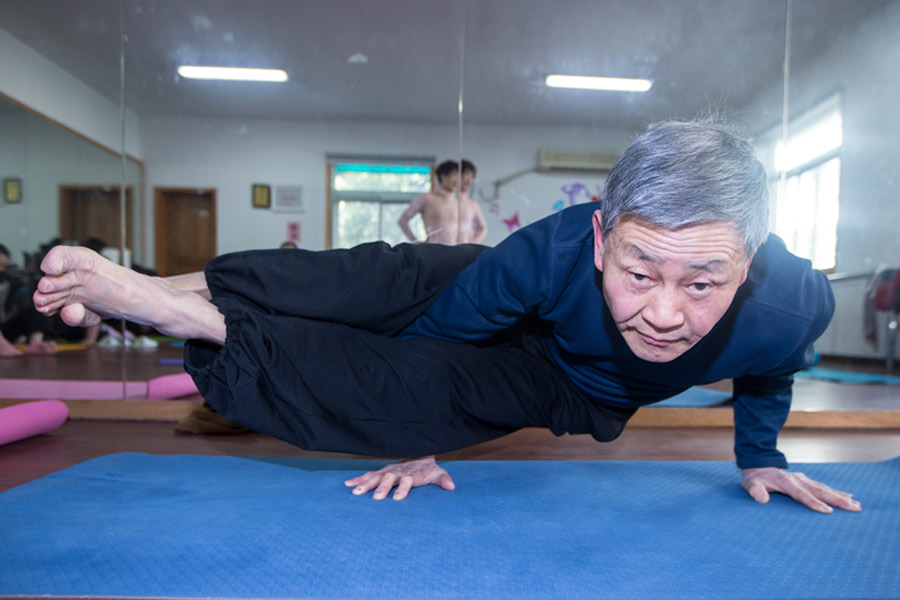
(160, 388)
(33, 418)
(137, 525)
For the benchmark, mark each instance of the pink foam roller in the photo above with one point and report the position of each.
(171, 386)
(32, 418)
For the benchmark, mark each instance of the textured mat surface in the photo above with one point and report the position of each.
(847, 376)
(192, 526)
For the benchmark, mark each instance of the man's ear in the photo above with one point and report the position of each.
(746, 271)
(599, 242)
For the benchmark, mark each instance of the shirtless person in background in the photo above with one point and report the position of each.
(448, 220)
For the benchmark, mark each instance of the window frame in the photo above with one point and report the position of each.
(335, 197)
(767, 145)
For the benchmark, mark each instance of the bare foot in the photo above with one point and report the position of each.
(40, 347)
(83, 287)
(7, 350)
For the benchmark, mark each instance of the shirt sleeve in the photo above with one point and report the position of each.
(761, 407)
(762, 402)
(504, 284)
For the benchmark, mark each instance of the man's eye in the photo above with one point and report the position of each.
(701, 287)
(639, 277)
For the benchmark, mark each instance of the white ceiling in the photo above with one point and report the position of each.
(721, 54)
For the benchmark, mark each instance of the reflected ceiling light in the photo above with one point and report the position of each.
(613, 84)
(232, 73)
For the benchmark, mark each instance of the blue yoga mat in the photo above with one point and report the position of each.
(199, 526)
(847, 376)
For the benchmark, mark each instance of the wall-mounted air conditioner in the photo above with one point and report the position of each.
(575, 160)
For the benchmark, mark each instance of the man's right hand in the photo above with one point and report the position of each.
(405, 475)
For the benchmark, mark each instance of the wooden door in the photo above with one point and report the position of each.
(94, 212)
(185, 229)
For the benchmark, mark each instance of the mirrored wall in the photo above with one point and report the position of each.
(378, 91)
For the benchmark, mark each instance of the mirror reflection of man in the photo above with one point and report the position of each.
(448, 219)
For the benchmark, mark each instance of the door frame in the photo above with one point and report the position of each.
(66, 193)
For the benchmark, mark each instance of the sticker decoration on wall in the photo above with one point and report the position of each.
(573, 190)
(494, 209)
(512, 223)
(559, 205)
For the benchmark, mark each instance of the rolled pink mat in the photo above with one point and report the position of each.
(32, 418)
(171, 386)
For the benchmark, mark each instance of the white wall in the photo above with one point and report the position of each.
(45, 156)
(499, 152)
(31, 80)
(864, 70)
(232, 155)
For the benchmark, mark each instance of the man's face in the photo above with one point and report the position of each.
(667, 289)
(468, 178)
(4, 261)
(449, 182)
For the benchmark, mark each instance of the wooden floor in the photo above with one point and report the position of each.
(862, 423)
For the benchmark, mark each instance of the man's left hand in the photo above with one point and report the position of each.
(405, 475)
(815, 495)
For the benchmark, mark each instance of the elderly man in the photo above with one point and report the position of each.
(572, 323)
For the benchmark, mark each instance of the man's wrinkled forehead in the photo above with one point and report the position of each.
(635, 250)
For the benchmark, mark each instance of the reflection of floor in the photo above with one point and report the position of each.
(106, 364)
(853, 428)
(813, 394)
(140, 364)
(816, 403)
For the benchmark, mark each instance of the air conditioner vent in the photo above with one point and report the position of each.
(575, 160)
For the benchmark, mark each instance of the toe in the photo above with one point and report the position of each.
(49, 285)
(53, 263)
(76, 315)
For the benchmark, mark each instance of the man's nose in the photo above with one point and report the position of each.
(663, 310)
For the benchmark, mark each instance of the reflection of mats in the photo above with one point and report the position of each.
(847, 376)
(60, 347)
(158, 388)
(191, 526)
(697, 397)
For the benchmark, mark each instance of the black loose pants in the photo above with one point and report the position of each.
(310, 357)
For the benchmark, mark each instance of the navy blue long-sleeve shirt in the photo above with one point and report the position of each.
(547, 270)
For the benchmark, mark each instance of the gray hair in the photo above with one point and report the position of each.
(680, 174)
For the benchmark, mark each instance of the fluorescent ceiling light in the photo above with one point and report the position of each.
(232, 73)
(614, 84)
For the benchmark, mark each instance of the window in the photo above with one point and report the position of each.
(805, 181)
(368, 196)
